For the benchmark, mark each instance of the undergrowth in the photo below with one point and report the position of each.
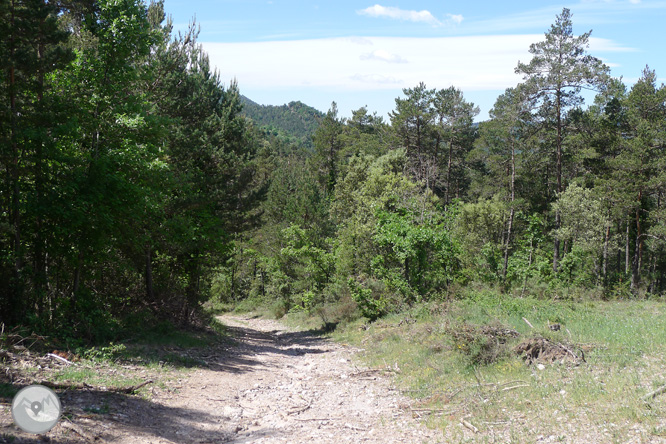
(519, 368)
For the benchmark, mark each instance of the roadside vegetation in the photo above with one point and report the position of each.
(583, 371)
(510, 273)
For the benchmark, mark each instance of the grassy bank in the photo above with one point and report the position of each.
(461, 361)
(148, 355)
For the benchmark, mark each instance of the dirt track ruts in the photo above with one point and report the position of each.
(275, 385)
(283, 386)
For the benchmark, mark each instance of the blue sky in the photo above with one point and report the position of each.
(362, 53)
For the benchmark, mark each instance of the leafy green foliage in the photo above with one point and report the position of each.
(130, 184)
(372, 302)
(136, 186)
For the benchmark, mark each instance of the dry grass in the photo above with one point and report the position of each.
(466, 370)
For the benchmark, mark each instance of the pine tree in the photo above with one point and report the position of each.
(31, 48)
(559, 70)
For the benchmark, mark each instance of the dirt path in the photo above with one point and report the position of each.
(275, 386)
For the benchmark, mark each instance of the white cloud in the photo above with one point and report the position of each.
(383, 56)
(400, 14)
(605, 45)
(474, 63)
(470, 63)
(376, 79)
(456, 18)
(360, 41)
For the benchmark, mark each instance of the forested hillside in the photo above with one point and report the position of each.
(127, 168)
(294, 123)
(551, 197)
(134, 186)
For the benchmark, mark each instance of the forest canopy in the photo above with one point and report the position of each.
(136, 185)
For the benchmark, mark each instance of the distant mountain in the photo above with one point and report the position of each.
(295, 122)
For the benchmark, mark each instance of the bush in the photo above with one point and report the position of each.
(100, 354)
(372, 302)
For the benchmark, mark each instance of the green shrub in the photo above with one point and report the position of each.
(373, 304)
(100, 354)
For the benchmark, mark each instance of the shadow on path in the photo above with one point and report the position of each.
(252, 343)
(91, 414)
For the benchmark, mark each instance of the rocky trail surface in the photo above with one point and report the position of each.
(276, 385)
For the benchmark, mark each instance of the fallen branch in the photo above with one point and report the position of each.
(517, 381)
(315, 419)
(506, 389)
(470, 426)
(131, 389)
(78, 430)
(59, 358)
(528, 322)
(300, 410)
(655, 393)
(367, 372)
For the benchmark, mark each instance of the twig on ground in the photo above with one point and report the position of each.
(60, 358)
(528, 322)
(368, 371)
(470, 426)
(131, 389)
(506, 389)
(517, 381)
(71, 426)
(374, 370)
(655, 393)
(299, 410)
(315, 419)
(65, 386)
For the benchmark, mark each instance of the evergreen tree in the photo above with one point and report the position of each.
(412, 122)
(503, 142)
(454, 120)
(560, 68)
(327, 147)
(32, 47)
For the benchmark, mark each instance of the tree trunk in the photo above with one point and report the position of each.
(17, 287)
(638, 250)
(626, 252)
(529, 265)
(150, 295)
(192, 289)
(605, 257)
(511, 214)
(77, 278)
(39, 247)
(618, 253)
(507, 245)
(558, 222)
(653, 279)
(448, 173)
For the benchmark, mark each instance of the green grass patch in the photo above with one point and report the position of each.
(94, 376)
(449, 363)
(166, 334)
(160, 345)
